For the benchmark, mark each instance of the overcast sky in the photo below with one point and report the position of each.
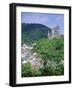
(47, 19)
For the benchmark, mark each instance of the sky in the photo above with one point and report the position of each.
(47, 19)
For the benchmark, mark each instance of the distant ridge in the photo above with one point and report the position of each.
(33, 32)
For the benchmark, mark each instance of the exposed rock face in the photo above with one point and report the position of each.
(28, 56)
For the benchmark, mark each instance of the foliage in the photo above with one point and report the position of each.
(59, 69)
(36, 72)
(52, 70)
(28, 71)
(52, 53)
(52, 50)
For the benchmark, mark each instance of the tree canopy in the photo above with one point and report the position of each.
(52, 49)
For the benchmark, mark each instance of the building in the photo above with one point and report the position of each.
(55, 32)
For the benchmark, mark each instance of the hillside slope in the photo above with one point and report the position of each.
(34, 32)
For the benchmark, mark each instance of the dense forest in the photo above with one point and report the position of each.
(33, 32)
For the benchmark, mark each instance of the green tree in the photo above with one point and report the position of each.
(26, 70)
(59, 69)
(50, 50)
(52, 53)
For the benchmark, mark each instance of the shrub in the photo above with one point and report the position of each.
(52, 53)
(52, 70)
(59, 69)
(52, 49)
(26, 70)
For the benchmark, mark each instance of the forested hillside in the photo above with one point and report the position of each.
(34, 32)
(41, 55)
